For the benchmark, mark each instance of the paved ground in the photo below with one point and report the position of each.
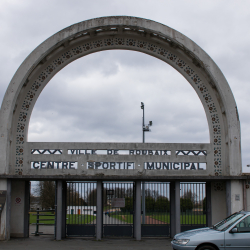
(45, 242)
(45, 229)
(48, 242)
(111, 220)
(149, 220)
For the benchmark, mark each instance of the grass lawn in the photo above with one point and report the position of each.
(185, 219)
(71, 218)
(33, 218)
(128, 218)
(79, 219)
(164, 217)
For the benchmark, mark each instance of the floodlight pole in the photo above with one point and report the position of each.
(143, 124)
(144, 128)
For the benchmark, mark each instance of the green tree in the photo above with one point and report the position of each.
(74, 198)
(151, 193)
(149, 204)
(92, 197)
(46, 192)
(128, 205)
(186, 204)
(190, 195)
(188, 200)
(162, 204)
(129, 192)
(204, 205)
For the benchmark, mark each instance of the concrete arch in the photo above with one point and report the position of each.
(129, 33)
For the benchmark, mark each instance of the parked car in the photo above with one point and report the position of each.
(232, 233)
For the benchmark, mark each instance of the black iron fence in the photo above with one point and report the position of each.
(193, 205)
(81, 209)
(155, 209)
(43, 218)
(118, 207)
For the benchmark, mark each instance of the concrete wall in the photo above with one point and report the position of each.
(236, 195)
(3, 221)
(218, 200)
(3, 224)
(247, 195)
(17, 209)
(229, 197)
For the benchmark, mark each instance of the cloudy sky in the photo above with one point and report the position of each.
(97, 98)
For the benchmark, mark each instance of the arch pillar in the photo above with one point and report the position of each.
(19, 219)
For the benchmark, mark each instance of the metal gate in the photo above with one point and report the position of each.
(193, 205)
(118, 207)
(155, 209)
(81, 209)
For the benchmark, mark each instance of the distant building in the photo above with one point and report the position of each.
(35, 203)
(81, 210)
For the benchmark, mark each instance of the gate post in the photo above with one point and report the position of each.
(234, 196)
(228, 197)
(208, 205)
(8, 210)
(19, 203)
(137, 211)
(175, 223)
(99, 211)
(59, 207)
(26, 209)
(64, 208)
(5, 189)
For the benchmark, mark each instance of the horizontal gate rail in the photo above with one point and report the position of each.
(38, 223)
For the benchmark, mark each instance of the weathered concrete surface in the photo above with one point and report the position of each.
(17, 209)
(223, 153)
(247, 190)
(48, 230)
(3, 188)
(130, 33)
(46, 242)
(218, 201)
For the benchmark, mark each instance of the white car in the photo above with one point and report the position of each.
(232, 233)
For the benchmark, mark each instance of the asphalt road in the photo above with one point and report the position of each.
(48, 242)
(45, 242)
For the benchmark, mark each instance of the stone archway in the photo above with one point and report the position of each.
(129, 33)
(222, 155)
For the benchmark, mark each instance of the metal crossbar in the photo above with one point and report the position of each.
(37, 233)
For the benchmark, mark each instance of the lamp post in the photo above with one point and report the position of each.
(144, 129)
